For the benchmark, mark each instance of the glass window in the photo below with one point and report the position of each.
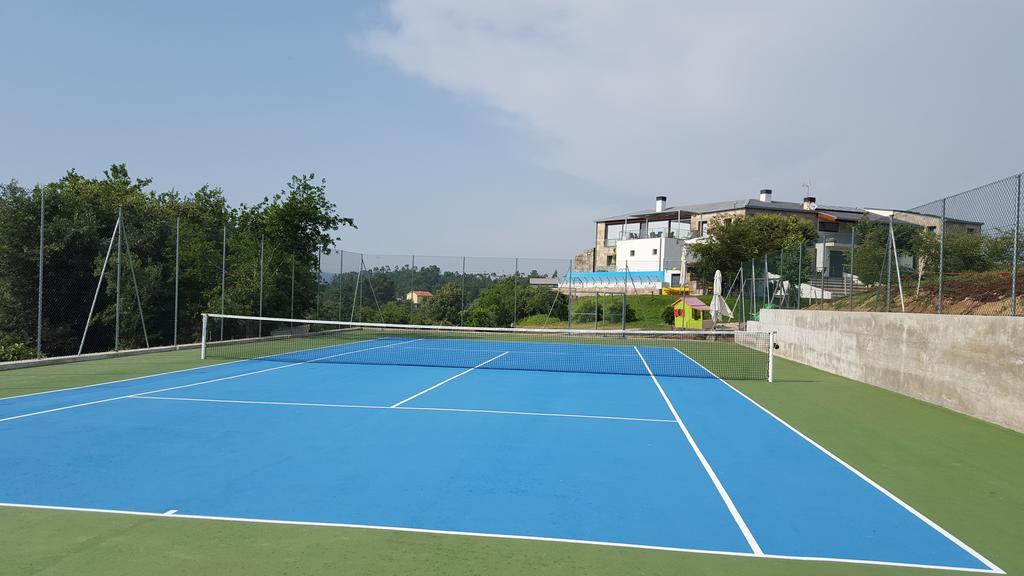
(828, 226)
(632, 230)
(654, 252)
(657, 229)
(679, 229)
(632, 252)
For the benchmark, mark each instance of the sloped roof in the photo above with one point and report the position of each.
(839, 212)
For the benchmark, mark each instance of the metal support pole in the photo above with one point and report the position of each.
(771, 356)
(888, 274)
(177, 268)
(515, 295)
(117, 292)
(135, 283)
(753, 287)
(942, 252)
(462, 315)
(319, 281)
(743, 297)
(355, 293)
(625, 280)
(799, 276)
(896, 260)
(39, 288)
(99, 284)
(260, 329)
(570, 296)
(223, 273)
(412, 276)
(1016, 254)
(341, 279)
(766, 278)
(853, 250)
(291, 309)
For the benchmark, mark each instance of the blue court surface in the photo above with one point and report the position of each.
(674, 462)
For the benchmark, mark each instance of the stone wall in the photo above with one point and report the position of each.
(971, 364)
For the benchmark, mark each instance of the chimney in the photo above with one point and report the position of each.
(659, 203)
(766, 195)
(810, 203)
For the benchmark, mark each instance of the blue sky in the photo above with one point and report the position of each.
(496, 128)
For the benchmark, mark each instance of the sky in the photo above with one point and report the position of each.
(495, 128)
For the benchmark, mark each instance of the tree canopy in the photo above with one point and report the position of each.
(730, 243)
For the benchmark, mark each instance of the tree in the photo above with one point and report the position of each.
(445, 308)
(730, 243)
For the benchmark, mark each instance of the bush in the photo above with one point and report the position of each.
(16, 351)
(668, 315)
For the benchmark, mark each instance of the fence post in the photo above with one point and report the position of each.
(39, 289)
(570, 296)
(799, 277)
(117, 292)
(1016, 253)
(341, 279)
(462, 316)
(625, 281)
(942, 252)
(889, 248)
(223, 275)
(515, 295)
(260, 329)
(853, 250)
(177, 267)
(291, 307)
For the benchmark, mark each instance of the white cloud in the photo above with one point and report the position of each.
(872, 100)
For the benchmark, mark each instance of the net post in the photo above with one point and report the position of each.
(202, 344)
(771, 357)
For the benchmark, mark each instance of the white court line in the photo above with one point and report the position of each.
(447, 380)
(211, 365)
(751, 541)
(860, 474)
(137, 394)
(495, 535)
(427, 409)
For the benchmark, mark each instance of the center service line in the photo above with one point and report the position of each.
(754, 546)
(422, 392)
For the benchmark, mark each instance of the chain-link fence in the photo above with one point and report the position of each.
(132, 279)
(957, 255)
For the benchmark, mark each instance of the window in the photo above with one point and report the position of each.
(632, 252)
(694, 313)
(658, 228)
(703, 228)
(654, 252)
(828, 226)
(610, 261)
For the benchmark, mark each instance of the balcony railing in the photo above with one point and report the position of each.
(609, 242)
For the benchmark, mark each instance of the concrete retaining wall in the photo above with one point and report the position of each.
(971, 364)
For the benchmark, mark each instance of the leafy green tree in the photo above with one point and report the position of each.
(730, 243)
(445, 308)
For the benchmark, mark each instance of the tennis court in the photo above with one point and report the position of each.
(635, 443)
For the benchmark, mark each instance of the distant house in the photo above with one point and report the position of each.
(661, 239)
(418, 297)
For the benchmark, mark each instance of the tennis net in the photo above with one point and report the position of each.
(693, 354)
